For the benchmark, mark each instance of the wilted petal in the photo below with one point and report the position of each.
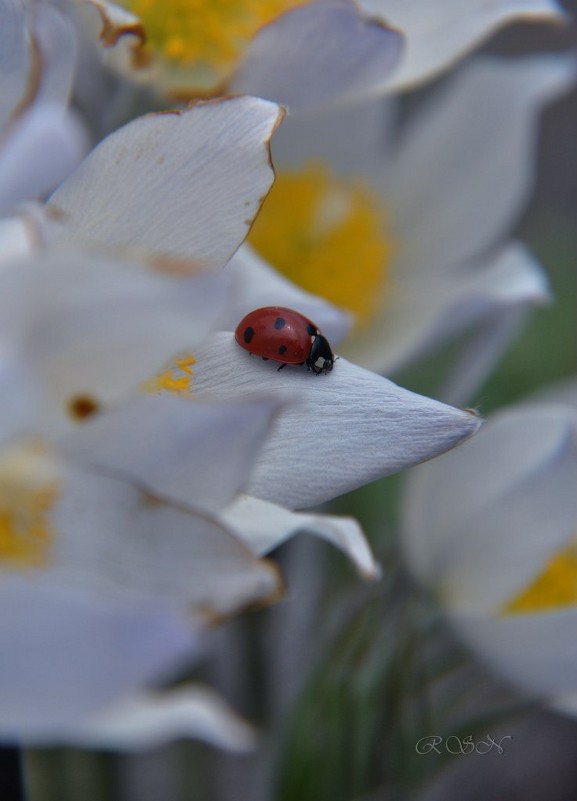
(65, 654)
(475, 141)
(191, 452)
(440, 33)
(264, 526)
(349, 427)
(149, 720)
(116, 22)
(317, 53)
(255, 284)
(184, 184)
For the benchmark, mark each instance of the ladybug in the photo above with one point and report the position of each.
(285, 336)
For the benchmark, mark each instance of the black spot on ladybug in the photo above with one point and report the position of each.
(285, 336)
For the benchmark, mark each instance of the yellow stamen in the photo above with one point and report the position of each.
(177, 378)
(329, 235)
(29, 487)
(554, 588)
(209, 35)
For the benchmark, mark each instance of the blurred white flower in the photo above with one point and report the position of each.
(105, 584)
(301, 53)
(120, 512)
(438, 34)
(491, 529)
(105, 589)
(81, 330)
(412, 238)
(296, 52)
(41, 141)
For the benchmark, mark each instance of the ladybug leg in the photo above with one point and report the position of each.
(281, 367)
(265, 358)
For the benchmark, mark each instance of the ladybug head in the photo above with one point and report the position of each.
(321, 357)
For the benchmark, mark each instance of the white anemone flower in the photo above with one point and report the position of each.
(295, 52)
(301, 53)
(491, 529)
(40, 140)
(106, 583)
(411, 236)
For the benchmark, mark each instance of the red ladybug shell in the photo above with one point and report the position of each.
(285, 336)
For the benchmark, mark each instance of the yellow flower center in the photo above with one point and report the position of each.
(177, 378)
(329, 235)
(29, 487)
(554, 588)
(209, 35)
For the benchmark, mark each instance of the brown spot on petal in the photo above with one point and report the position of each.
(81, 407)
(171, 265)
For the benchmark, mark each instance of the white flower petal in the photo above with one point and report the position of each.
(150, 720)
(122, 541)
(564, 391)
(263, 526)
(480, 354)
(317, 53)
(440, 33)
(100, 326)
(15, 57)
(53, 31)
(44, 146)
(349, 428)
(189, 452)
(474, 141)
(67, 654)
(432, 308)
(184, 184)
(512, 507)
(17, 238)
(255, 284)
(38, 51)
(19, 399)
(116, 23)
(353, 139)
(536, 652)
